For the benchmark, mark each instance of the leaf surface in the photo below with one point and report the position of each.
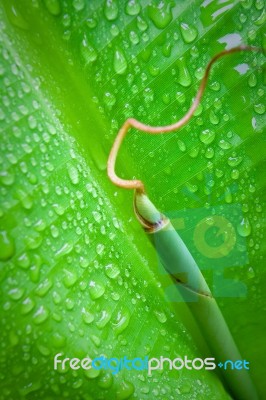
(79, 276)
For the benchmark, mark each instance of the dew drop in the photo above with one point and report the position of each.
(193, 153)
(54, 231)
(73, 174)
(223, 144)
(235, 174)
(84, 263)
(189, 33)
(87, 316)
(105, 381)
(213, 118)
(88, 52)
(250, 273)
(133, 7)
(27, 305)
(15, 16)
(161, 317)
(244, 227)
(133, 37)
(120, 63)
(96, 289)
(78, 5)
(69, 303)
(23, 261)
(148, 95)
(181, 145)
(96, 340)
(104, 319)
(43, 288)
(234, 161)
(92, 373)
(125, 390)
(166, 98)
(167, 48)
(40, 315)
(228, 196)
(69, 278)
(121, 321)
(109, 100)
(7, 246)
(184, 77)
(91, 23)
(141, 24)
(259, 108)
(100, 249)
(32, 122)
(112, 271)
(16, 293)
(53, 6)
(59, 209)
(110, 10)
(209, 153)
(160, 14)
(65, 249)
(207, 136)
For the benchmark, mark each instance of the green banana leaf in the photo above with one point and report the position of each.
(78, 274)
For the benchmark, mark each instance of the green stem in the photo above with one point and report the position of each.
(194, 290)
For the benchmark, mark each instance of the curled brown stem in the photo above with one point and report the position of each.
(133, 123)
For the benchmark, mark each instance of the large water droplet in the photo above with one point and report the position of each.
(109, 99)
(244, 227)
(121, 321)
(184, 77)
(70, 278)
(120, 62)
(88, 52)
(224, 144)
(105, 381)
(7, 246)
(228, 195)
(181, 145)
(87, 316)
(53, 6)
(23, 261)
(73, 174)
(43, 287)
(189, 33)
(160, 14)
(96, 289)
(141, 24)
(209, 153)
(160, 315)
(259, 108)
(234, 161)
(207, 136)
(78, 5)
(15, 16)
(16, 293)
(27, 305)
(133, 7)
(125, 390)
(40, 315)
(110, 9)
(105, 317)
(112, 271)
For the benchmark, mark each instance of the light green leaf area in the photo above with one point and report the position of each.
(78, 274)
